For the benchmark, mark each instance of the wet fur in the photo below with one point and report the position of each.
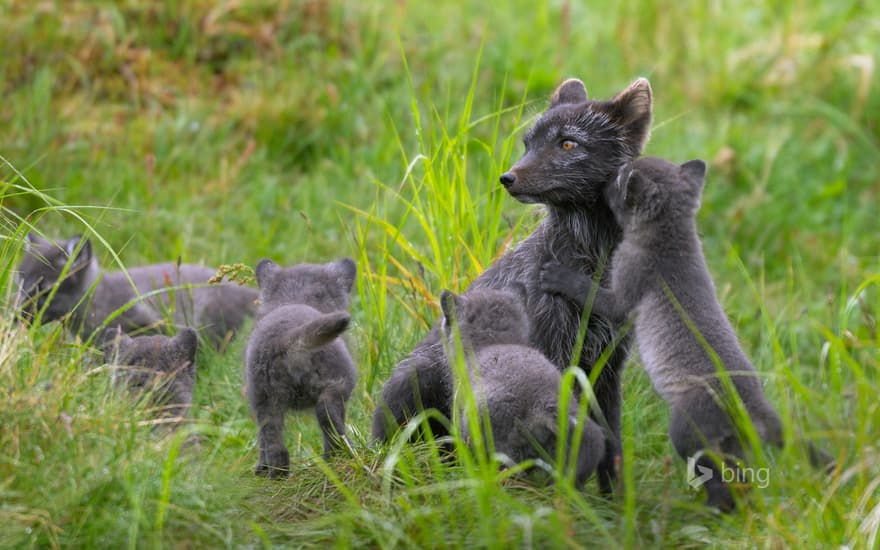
(578, 231)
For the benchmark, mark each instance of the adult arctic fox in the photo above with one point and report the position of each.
(571, 153)
(89, 296)
(685, 340)
(513, 383)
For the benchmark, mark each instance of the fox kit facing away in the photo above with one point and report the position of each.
(572, 152)
(660, 275)
(513, 383)
(295, 358)
(89, 296)
(163, 365)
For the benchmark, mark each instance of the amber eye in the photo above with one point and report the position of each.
(568, 144)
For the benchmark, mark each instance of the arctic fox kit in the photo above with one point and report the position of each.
(295, 358)
(162, 364)
(515, 384)
(659, 274)
(89, 297)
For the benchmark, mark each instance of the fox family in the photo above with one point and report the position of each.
(517, 323)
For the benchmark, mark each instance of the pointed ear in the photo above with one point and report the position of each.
(624, 174)
(187, 341)
(265, 268)
(570, 91)
(85, 251)
(33, 240)
(449, 304)
(695, 173)
(115, 343)
(521, 292)
(631, 109)
(346, 272)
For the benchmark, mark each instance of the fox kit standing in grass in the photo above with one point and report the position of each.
(513, 383)
(572, 152)
(163, 365)
(216, 311)
(659, 274)
(295, 358)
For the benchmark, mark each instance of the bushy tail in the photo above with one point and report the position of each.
(320, 331)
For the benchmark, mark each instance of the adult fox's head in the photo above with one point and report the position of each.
(578, 145)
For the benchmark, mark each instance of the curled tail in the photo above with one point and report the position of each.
(320, 331)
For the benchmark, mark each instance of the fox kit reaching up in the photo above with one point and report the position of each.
(89, 296)
(571, 153)
(659, 274)
(295, 358)
(161, 364)
(515, 384)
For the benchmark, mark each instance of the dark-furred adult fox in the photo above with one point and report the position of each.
(572, 152)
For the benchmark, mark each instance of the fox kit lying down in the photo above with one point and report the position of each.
(514, 383)
(295, 358)
(89, 296)
(165, 366)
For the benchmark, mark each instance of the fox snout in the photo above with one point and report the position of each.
(508, 179)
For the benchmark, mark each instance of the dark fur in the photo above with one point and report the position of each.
(295, 358)
(160, 364)
(515, 384)
(578, 231)
(655, 202)
(215, 310)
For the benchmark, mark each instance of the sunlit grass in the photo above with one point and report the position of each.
(227, 132)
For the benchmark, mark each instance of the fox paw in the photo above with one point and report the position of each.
(556, 278)
(276, 464)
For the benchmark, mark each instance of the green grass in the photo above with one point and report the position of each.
(304, 131)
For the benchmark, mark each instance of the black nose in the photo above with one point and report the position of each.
(507, 179)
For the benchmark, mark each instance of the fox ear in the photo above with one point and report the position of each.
(631, 110)
(345, 271)
(114, 342)
(449, 304)
(695, 172)
(31, 240)
(84, 255)
(265, 268)
(520, 291)
(570, 91)
(187, 341)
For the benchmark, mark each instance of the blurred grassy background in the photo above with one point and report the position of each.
(225, 132)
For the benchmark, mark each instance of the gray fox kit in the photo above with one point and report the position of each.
(514, 383)
(89, 297)
(161, 364)
(295, 358)
(660, 276)
(572, 152)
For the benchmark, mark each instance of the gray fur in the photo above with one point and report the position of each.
(159, 364)
(578, 231)
(655, 201)
(89, 296)
(514, 383)
(295, 358)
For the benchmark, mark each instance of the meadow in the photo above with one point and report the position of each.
(301, 130)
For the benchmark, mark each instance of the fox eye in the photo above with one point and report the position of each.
(568, 144)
